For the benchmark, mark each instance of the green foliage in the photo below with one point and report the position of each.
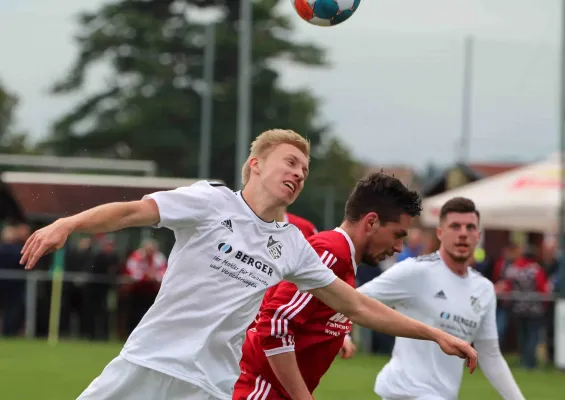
(151, 101)
(11, 140)
(8, 103)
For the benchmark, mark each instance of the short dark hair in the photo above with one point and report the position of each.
(384, 195)
(460, 205)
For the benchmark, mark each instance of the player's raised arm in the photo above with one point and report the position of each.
(105, 218)
(172, 209)
(373, 314)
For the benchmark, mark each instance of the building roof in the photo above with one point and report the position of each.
(490, 169)
(54, 195)
(473, 172)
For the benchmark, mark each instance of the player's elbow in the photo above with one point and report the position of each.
(140, 213)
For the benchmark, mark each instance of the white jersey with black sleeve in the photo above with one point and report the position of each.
(425, 289)
(224, 259)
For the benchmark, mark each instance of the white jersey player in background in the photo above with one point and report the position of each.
(440, 289)
(228, 250)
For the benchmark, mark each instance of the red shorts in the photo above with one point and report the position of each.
(251, 386)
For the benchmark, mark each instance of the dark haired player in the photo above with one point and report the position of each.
(296, 337)
(442, 290)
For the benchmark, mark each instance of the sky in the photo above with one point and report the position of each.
(394, 90)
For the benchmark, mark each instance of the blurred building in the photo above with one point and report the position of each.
(407, 175)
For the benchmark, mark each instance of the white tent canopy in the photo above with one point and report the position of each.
(523, 199)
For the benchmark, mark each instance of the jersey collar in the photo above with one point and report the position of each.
(351, 247)
(272, 224)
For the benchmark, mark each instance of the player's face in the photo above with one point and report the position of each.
(459, 234)
(385, 240)
(283, 173)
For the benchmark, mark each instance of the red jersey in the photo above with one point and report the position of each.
(146, 270)
(306, 227)
(290, 320)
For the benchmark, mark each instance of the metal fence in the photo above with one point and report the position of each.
(32, 278)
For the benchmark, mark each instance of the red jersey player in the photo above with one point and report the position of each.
(296, 337)
(306, 227)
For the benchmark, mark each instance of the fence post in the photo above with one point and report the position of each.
(31, 304)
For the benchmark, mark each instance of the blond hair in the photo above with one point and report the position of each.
(266, 142)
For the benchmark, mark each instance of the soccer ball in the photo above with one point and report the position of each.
(325, 12)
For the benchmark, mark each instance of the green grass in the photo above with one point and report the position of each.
(34, 370)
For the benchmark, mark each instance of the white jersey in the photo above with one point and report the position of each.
(224, 259)
(425, 289)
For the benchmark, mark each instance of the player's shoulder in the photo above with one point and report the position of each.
(215, 193)
(420, 265)
(212, 187)
(333, 242)
(479, 279)
(216, 187)
(423, 261)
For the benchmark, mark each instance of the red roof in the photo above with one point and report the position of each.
(493, 169)
(59, 195)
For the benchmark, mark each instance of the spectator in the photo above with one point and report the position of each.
(78, 259)
(146, 267)
(414, 245)
(522, 277)
(551, 265)
(103, 273)
(510, 254)
(12, 292)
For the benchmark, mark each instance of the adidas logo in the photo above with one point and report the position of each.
(440, 295)
(227, 224)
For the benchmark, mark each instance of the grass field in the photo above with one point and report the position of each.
(33, 370)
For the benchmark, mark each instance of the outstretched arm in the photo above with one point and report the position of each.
(174, 209)
(105, 218)
(375, 315)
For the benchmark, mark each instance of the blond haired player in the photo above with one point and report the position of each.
(229, 250)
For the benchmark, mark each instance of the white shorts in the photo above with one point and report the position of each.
(123, 380)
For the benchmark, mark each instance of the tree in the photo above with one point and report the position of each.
(151, 103)
(11, 140)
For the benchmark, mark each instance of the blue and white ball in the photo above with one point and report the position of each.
(325, 12)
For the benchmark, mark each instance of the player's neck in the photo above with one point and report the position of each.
(459, 269)
(281, 214)
(352, 232)
(261, 203)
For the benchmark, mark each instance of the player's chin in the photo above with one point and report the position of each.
(462, 256)
(291, 197)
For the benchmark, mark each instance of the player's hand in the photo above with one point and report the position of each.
(348, 349)
(456, 347)
(44, 241)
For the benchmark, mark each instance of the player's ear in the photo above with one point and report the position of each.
(439, 232)
(254, 164)
(372, 220)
